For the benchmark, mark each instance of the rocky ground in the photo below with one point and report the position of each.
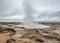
(46, 35)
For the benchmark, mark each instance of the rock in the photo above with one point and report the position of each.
(46, 35)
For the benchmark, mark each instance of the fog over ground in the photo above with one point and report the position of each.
(43, 10)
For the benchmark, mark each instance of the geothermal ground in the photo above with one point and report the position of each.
(25, 35)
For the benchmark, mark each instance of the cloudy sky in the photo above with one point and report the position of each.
(44, 10)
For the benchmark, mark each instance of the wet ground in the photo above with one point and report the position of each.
(45, 35)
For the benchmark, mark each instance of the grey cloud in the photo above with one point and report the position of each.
(55, 14)
(42, 9)
(49, 16)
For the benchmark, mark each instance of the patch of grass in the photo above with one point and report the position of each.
(4, 23)
(52, 23)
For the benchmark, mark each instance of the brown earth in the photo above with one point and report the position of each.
(46, 35)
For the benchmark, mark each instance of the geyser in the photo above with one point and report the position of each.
(28, 21)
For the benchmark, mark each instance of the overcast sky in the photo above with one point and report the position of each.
(44, 10)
